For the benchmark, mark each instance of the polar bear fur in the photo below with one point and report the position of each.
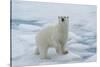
(53, 36)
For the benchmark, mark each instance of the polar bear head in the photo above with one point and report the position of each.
(63, 20)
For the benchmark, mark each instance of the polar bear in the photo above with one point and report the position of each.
(53, 36)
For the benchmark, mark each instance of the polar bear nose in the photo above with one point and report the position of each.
(62, 19)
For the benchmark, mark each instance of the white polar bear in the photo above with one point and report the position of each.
(53, 36)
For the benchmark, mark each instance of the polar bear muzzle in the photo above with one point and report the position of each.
(62, 19)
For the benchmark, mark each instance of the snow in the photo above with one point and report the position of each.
(32, 17)
(91, 59)
(27, 27)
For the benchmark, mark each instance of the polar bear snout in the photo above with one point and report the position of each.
(62, 19)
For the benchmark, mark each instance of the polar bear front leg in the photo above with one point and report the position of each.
(58, 48)
(63, 49)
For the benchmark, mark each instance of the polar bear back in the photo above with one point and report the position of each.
(45, 35)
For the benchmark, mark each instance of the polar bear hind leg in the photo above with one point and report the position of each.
(43, 52)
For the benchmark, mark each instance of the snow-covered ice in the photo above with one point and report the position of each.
(29, 18)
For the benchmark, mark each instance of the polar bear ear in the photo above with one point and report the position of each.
(67, 17)
(58, 17)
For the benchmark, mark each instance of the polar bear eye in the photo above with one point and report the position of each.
(64, 16)
(67, 16)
